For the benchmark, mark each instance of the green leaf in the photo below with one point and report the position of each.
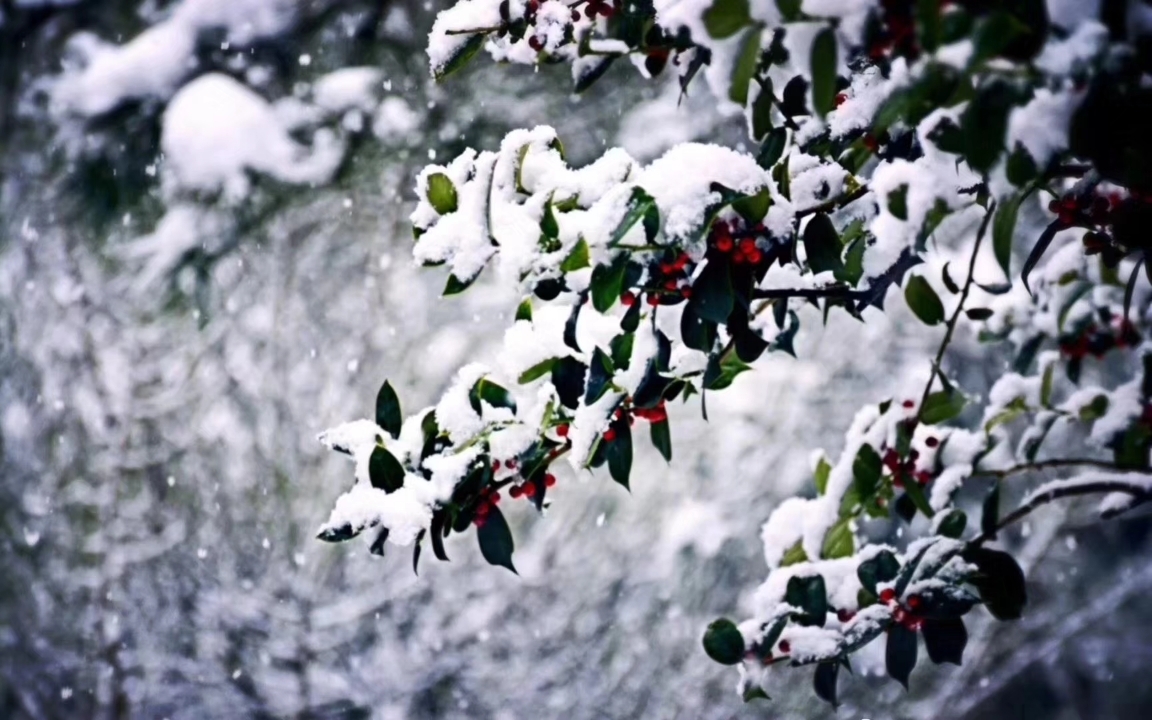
(838, 542)
(793, 555)
(941, 406)
(915, 493)
(621, 347)
(1038, 250)
(726, 18)
(929, 24)
(568, 379)
(1003, 228)
(441, 193)
(1000, 582)
(589, 74)
(945, 639)
(853, 268)
(548, 224)
(880, 568)
(754, 692)
(824, 60)
(388, 414)
(900, 654)
(978, 313)
(461, 56)
(723, 642)
(455, 285)
(662, 438)
(712, 294)
(385, 471)
(745, 67)
(496, 540)
(619, 453)
(495, 395)
(1021, 168)
(866, 469)
(640, 207)
(809, 595)
(537, 371)
(524, 310)
(599, 376)
(952, 525)
(822, 245)
(753, 207)
(898, 202)
(924, 301)
(607, 283)
(437, 531)
(721, 371)
(985, 123)
(823, 470)
(762, 111)
(576, 259)
(994, 34)
(824, 682)
(990, 517)
(772, 148)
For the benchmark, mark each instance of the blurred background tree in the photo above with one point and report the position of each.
(177, 323)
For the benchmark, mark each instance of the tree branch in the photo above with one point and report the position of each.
(956, 313)
(1054, 464)
(832, 291)
(835, 203)
(1057, 493)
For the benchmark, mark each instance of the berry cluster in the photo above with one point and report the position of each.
(906, 614)
(1084, 210)
(1097, 340)
(908, 469)
(528, 490)
(669, 283)
(488, 499)
(893, 31)
(729, 238)
(657, 414)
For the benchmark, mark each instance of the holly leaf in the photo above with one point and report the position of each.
(924, 301)
(662, 438)
(880, 568)
(824, 71)
(1000, 582)
(388, 414)
(495, 395)
(866, 470)
(385, 471)
(607, 283)
(900, 655)
(824, 682)
(723, 642)
(822, 245)
(726, 17)
(441, 193)
(599, 376)
(952, 525)
(1003, 229)
(945, 639)
(941, 406)
(619, 453)
(809, 595)
(641, 205)
(496, 540)
(461, 56)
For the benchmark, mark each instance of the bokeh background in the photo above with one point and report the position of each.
(179, 317)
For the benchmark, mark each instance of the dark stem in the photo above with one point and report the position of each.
(1054, 464)
(835, 203)
(956, 314)
(835, 291)
(1092, 488)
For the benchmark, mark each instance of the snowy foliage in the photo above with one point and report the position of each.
(894, 138)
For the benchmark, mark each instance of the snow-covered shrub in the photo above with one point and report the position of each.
(893, 139)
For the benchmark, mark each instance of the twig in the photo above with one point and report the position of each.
(835, 291)
(956, 314)
(835, 203)
(1091, 488)
(1054, 464)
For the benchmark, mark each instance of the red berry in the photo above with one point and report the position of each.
(923, 477)
(535, 43)
(932, 442)
(480, 521)
(914, 602)
(1054, 205)
(672, 285)
(483, 509)
(747, 245)
(724, 244)
(840, 99)
(667, 268)
(495, 498)
(609, 435)
(844, 615)
(575, 16)
(899, 615)
(510, 463)
(549, 480)
(755, 257)
(628, 299)
(887, 595)
(685, 292)
(682, 261)
(909, 404)
(515, 491)
(529, 490)
(891, 460)
(653, 299)
(785, 646)
(913, 623)
(495, 465)
(738, 258)
(562, 430)
(870, 143)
